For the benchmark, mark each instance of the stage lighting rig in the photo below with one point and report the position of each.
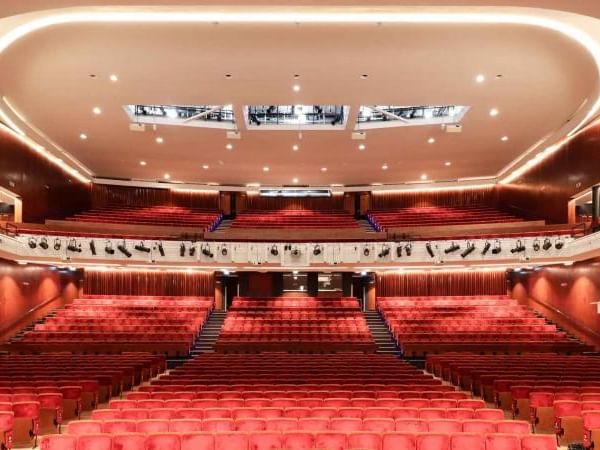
(108, 248)
(141, 247)
(93, 248)
(317, 250)
(182, 250)
(44, 243)
(454, 247)
(536, 245)
(161, 249)
(408, 249)
(32, 243)
(73, 246)
(470, 249)
(57, 244)
(497, 248)
(519, 247)
(399, 251)
(559, 244)
(547, 244)
(486, 248)
(123, 249)
(430, 249)
(274, 250)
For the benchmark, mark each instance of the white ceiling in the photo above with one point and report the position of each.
(546, 77)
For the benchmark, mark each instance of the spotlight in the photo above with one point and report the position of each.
(497, 248)
(486, 248)
(454, 247)
(547, 244)
(182, 250)
(536, 245)
(408, 249)
(295, 251)
(470, 249)
(57, 244)
(254, 119)
(224, 251)
(366, 251)
(317, 250)
(384, 252)
(519, 247)
(124, 250)
(161, 250)
(141, 247)
(44, 243)
(274, 250)
(206, 251)
(336, 120)
(193, 249)
(429, 249)
(73, 247)
(93, 248)
(108, 248)
(399, 251)
(32, 243)
(559, 244)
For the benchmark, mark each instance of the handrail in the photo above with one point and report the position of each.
(16, 322)
(566, 317)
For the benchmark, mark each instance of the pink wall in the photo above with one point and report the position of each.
(564, 294)
(24, 288)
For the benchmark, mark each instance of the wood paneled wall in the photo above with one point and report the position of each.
(46, 191)
(385, 200)
(564, 294)
(544, 192)
(103, 195)
(27, 293)
(256, 202)
(149, 283)
(441, 283)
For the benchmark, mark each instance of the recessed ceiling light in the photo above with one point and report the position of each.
(323, 169)
(166, 176)
(295, 147)
(114, 78)
(266, 169)
(480, 78)
(431, 140)
(96, 110)
(384, 167)
(296, 76)
(228, 75)
(229, 146)
(423, 177)
(447, 163)
(159, 140)
(362, 146)
(83, 136)
(364, 76)
(504, 138)
(494, 112)
(142, 163)
(296, 88)
(295, 180)
(205, 166)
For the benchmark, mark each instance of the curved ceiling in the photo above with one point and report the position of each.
(548, 83)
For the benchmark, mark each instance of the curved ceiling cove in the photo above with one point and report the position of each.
(530, 80)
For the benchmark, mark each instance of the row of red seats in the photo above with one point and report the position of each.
(167, 392)
(301, 219)
(299, 441)
(287, 424)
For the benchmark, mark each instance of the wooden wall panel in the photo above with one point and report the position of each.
(564, 294)
(544, 192)
(254, 202)
(46, 191)
(383, 200)
(103, 195)
(27, 293)
(441, 283)
(149, 283)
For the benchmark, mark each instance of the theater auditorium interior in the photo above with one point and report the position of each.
(299, 225)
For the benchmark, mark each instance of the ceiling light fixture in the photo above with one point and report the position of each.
(266, 169)
(83, 136)
(114, 78)
(364, 76)
(295, 180)
(166, 176)
(96, 110)
(447, 163)
(229, 146)
(504, 138)
(431, 140)
(384, 167)
(494, 112)
(424, 177)
(323, 169)
(480, 78)
(142, 163)
(296, 88)
(205, 166)
(159, 140)
(295, 147)
(362, 147)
